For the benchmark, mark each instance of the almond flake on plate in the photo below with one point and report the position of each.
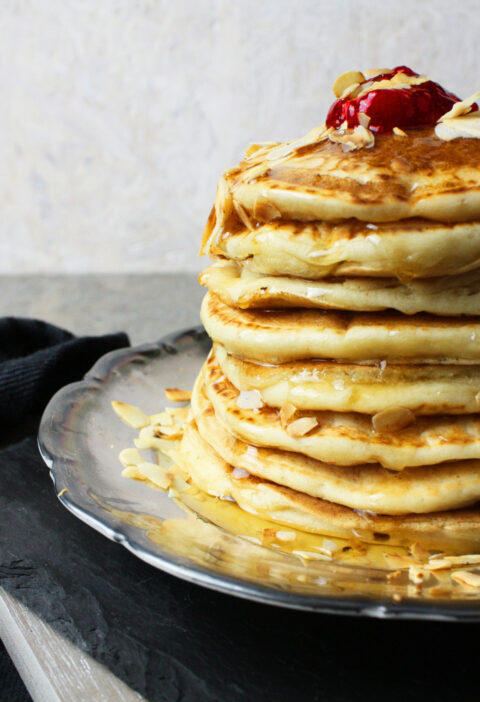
(131, 415)
(467, 577)
(177, 395)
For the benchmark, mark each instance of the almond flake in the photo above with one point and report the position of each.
(399, 132)
(249, 400)
(466, 577)
(287, 413)
(130, 457)
(364, 119)
(351, 91)
(392, 419)
(133, 416)
(447, 562)
(398, 81)
(419, 552)
(374, 72)
(467, 126)
(265, 211)
(301, 426)
(156, 474)
(350, 140)
(345, 80)
(240, 473)
(462, 107)
(243, 215)
(164, 418)
(177, 395)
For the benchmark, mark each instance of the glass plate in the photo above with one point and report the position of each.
(210, 543)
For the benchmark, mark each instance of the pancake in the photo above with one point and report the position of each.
(313, 179)
(345, 438)
(238, 286)
(406, 249)
(282, 505)
(278, 336)
(365, 487)
(324, 385)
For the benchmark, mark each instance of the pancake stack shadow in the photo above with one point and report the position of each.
(343, 388)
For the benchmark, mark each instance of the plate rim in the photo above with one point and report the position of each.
(381, 607)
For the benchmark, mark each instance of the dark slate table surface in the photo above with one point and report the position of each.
(168, 639)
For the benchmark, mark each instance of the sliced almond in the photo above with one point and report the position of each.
(265, 211)
(466, 577)
(240, 473)
(447, 562)
(301, 427)
(130, 457)
(131, 415)
(167, 432)
(244, 216)
(392, 419)
(364, 119)
(156, 474)
(163, 418)
(351, 91)
(419, 552)
(462, 107)
(399, 132)
(398, 81)
(252, 149)
(373, 72)
(288, 413)
(177, 395)
(350, 140)
(466, 126)
(249, 399)
(132, 472)
(345, 80)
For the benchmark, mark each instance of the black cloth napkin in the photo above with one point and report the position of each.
(36, 359)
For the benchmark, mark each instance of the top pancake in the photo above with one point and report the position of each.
(314, 179)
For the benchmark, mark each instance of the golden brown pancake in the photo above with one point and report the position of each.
(345, 438)
(282, 335)
(349, 387)
(286, 506)
(365, 487)
(238, 286)
(417, 176)
(405, 249)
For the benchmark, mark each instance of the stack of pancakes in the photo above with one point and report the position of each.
(342, 393)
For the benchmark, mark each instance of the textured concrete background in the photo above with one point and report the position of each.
(117, 116)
